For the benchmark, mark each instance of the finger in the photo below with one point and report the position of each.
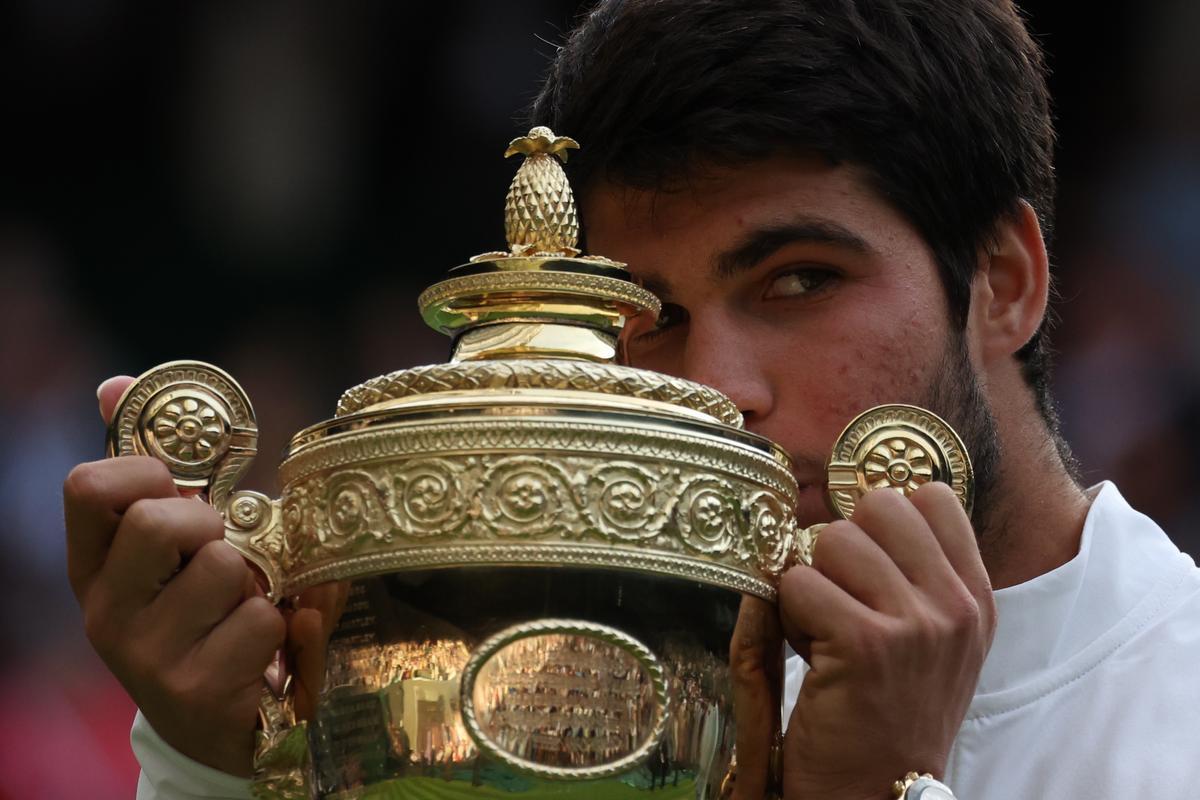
(852, 560)
(811, 606)
(329, 599)
(756, 664)
(215, 581)
(244, 643)
(948, 522)
(307, 643)
(95, 496)
(903, 533)
(153, 540)
(109, 394)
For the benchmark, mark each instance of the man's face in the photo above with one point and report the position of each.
(791, 287)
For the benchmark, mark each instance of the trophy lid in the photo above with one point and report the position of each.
(531, 446)
(539, 316)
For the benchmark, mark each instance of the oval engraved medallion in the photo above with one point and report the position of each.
(565, 699)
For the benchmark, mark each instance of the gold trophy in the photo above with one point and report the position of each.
(536, 554)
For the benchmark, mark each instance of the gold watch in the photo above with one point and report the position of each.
(922, 786)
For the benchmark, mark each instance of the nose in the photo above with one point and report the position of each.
(724, 357)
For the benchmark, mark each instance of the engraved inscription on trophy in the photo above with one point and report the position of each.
(565, 699)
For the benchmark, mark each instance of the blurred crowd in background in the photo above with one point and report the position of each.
(268, 185)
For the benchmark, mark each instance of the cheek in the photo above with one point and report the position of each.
(826, 378)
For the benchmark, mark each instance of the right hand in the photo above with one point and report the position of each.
(174, 610)
(894, 617)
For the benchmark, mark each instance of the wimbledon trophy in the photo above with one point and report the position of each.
(530, 559)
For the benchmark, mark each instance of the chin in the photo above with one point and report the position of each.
(811, 506)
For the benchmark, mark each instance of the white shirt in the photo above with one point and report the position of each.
(1091, 688)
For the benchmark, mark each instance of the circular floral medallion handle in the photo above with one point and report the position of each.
(197, 420)
(897, 447)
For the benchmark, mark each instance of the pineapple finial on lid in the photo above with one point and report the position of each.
(539, 212)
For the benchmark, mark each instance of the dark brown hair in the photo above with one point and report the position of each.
(943, 102)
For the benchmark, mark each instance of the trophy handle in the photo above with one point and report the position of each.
(197, 420)
(897, 447)
(281, 754)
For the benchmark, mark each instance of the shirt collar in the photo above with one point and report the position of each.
(1043, 622)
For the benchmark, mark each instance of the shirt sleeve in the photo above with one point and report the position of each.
(794, 670)
(168, 774)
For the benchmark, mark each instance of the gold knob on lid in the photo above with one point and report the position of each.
(539, 212)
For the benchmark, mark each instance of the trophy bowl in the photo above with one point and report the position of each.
(529, 560)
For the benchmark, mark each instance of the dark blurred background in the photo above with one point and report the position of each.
(268, 185)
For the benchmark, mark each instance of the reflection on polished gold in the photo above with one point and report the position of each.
(566, 699)
(551, 699)
(453, 499)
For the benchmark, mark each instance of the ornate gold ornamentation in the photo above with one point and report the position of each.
(524, 496)
(246, 512)
(615, 437)
(564, 283)
(189, 428)
(774, 526)
(539, 212)
(582, 630)
(710, 519)
(444, 490)
(623, 500)
(194, 418)
(281, 755)
(547, 552)
(558, 374)
(429, 497)
(898, 447)
(803, 544)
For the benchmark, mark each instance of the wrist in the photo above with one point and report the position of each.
(800, 786)
(831, 788)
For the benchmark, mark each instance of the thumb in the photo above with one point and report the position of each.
(109, 394)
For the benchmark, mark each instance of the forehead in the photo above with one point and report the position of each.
(660, 234)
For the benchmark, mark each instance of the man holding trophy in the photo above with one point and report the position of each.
(838, 205)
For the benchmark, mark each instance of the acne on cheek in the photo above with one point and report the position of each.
(888, 371)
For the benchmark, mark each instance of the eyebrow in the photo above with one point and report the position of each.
(761, 243)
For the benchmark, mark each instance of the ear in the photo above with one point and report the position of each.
(1011, 289)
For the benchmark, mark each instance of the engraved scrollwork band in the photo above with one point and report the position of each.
(440, 494)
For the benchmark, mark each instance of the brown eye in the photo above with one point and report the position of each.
(796, 283)
(670, 316)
